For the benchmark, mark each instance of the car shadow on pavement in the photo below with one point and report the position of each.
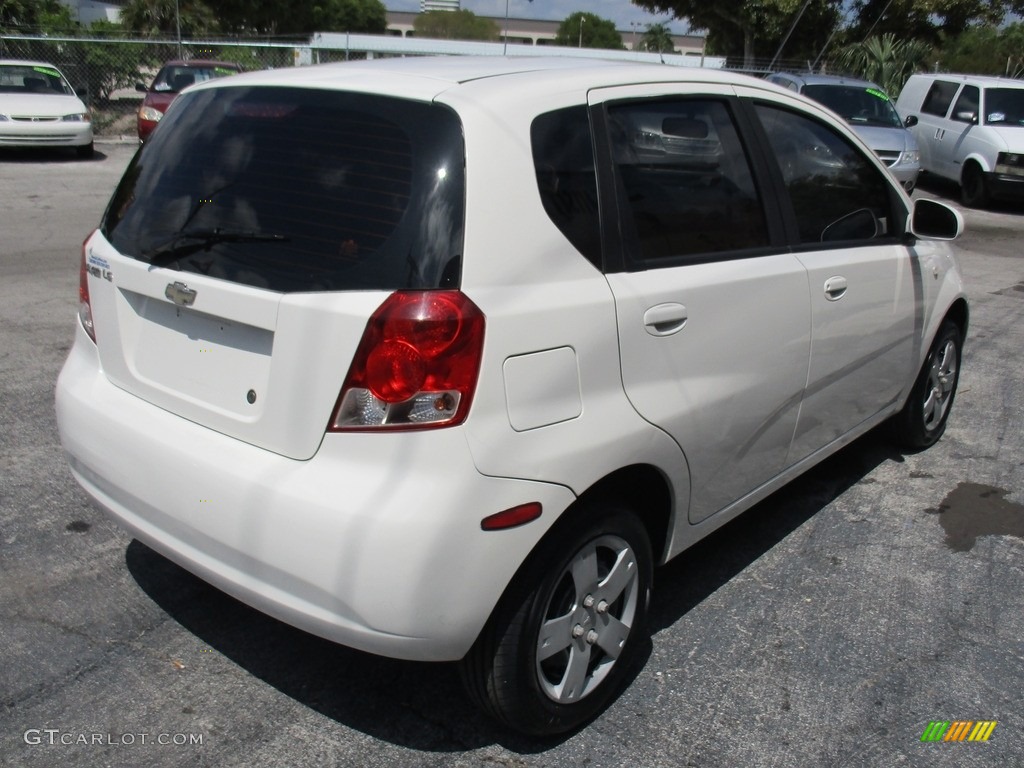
(931, 185)
(34, 156)
(697, 573)
(422, 706)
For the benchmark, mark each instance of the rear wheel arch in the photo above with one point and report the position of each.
(646, 492)
(510, 672)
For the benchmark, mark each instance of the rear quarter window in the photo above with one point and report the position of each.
(309, 190)
(939, 97)
(563, 159)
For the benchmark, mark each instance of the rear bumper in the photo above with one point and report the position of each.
(374, 543)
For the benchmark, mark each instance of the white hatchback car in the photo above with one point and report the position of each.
(39, 108)
(438, 358)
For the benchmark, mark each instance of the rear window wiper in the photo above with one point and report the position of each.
(186, 243)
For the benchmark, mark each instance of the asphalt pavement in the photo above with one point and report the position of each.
(831, 625)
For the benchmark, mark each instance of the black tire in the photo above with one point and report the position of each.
(974, 192)
(589, 582)
(85, 152)
(923, 419)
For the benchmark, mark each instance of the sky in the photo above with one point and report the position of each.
(622, 12)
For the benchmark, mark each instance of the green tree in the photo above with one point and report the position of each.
(985, 50)
(160, 18)
(657, 39)
(301, 17)
(748, 30)
(105, 67)
(455, 25)
(884, 60)
(29, 16)
(587, 30)
(925, 19)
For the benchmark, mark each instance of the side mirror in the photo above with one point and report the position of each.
(933, 220)
(141, 87)
(911, 121)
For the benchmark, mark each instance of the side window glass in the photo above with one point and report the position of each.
(939, 97)
(836, 192)
(563, 159)
(685, 178)
(966, 109)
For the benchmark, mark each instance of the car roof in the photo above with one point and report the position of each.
(27, 63)
(1003, 82)
(196, 63)
(811, 78)
(427, 77)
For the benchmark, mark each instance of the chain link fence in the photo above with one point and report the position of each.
(106, 72)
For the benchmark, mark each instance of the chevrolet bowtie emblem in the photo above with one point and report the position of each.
(180, 294)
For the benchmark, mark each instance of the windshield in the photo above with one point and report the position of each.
(172, 79)
(298, 190)
(30, 78)
(1004, 106)
(856, 104)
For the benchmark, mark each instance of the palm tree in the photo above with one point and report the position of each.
(657, 39)
(884, 60)
(160, 17)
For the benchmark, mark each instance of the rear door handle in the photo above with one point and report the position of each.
(835, 288)
(665, 319)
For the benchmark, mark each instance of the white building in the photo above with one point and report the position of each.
(439, 5)
(85, 12)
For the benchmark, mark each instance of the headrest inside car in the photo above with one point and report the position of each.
(684, 127)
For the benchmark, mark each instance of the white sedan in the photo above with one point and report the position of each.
(39, 108)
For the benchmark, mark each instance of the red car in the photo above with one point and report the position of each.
(174, 77)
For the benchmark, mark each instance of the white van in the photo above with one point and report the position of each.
(970, 129)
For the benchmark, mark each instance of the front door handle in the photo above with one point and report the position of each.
(835, 288)
(665, 319)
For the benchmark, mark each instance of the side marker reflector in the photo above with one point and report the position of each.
(512, 518)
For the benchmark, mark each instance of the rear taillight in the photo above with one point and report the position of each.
(84, 305)
(416, 365)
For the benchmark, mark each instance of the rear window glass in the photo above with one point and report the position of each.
(298, 190)
(939, 97)
(178, 78)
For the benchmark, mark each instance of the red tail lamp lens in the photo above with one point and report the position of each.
(416, 365)
(84, 302)
(395, 371)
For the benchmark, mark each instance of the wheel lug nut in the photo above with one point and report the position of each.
(592, 636)
(577, 631)
(602, 607)
(588, 601)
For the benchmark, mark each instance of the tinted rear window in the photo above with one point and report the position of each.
(304, 190)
